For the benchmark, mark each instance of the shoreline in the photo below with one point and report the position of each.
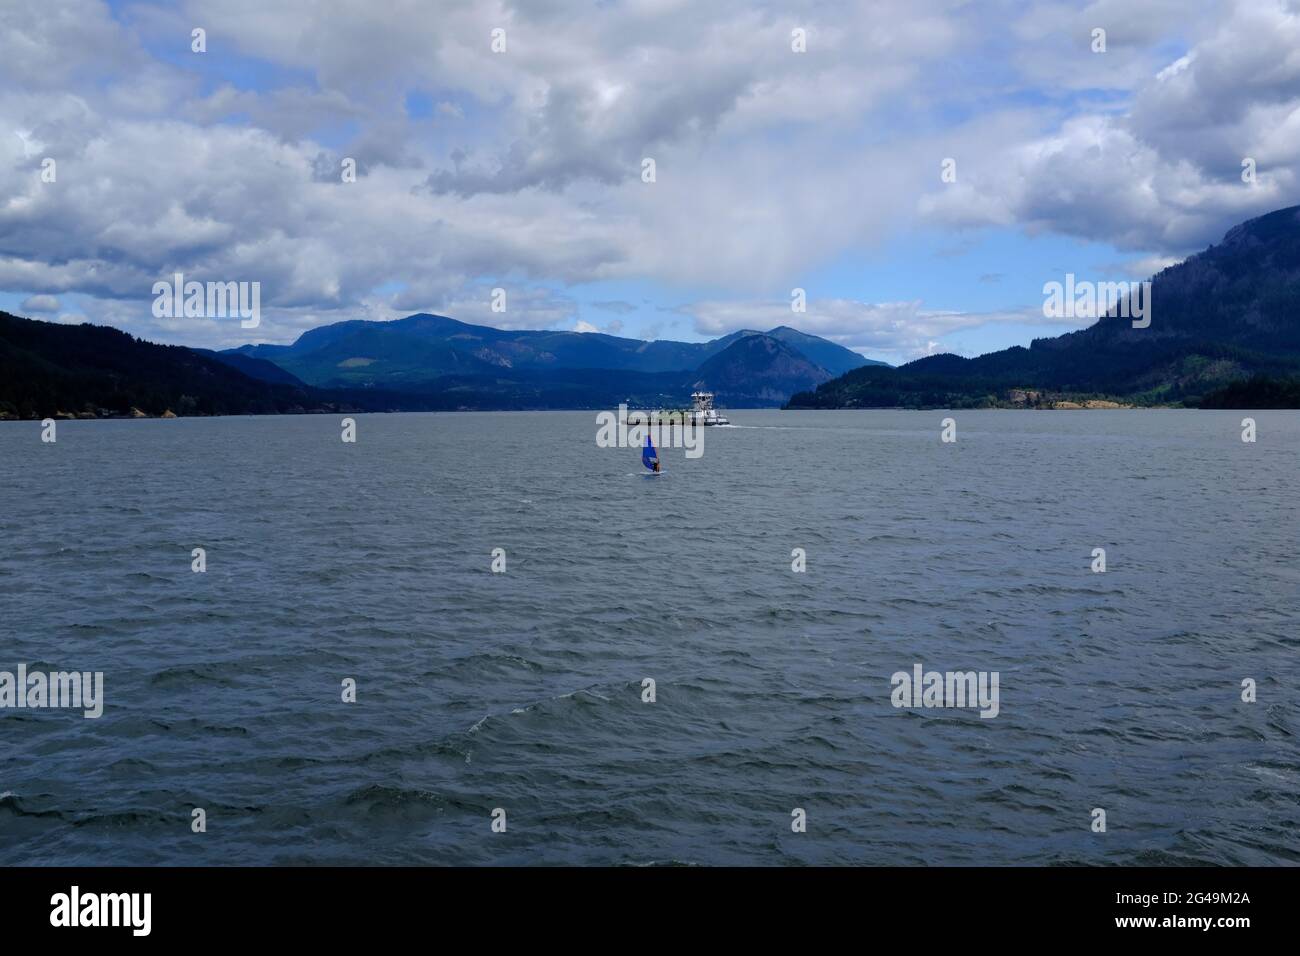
(169, 415)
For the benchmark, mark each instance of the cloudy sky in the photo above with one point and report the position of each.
(522, 169)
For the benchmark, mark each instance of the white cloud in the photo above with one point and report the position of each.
(770, 164)
(1163, 176)
(894, 331)
(40, 303)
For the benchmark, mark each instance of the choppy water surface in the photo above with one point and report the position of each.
(523, 690)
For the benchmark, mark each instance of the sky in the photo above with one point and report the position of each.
(523, 168)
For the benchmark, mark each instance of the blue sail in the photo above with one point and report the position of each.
(648, 454)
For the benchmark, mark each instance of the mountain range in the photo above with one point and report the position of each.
(434, 354)
(1224, 332)
(419, 363)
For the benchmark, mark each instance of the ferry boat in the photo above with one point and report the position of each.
(703, 410)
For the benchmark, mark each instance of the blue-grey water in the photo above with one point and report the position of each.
(523, 691)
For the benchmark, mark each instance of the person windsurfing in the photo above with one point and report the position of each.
(650, 457)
